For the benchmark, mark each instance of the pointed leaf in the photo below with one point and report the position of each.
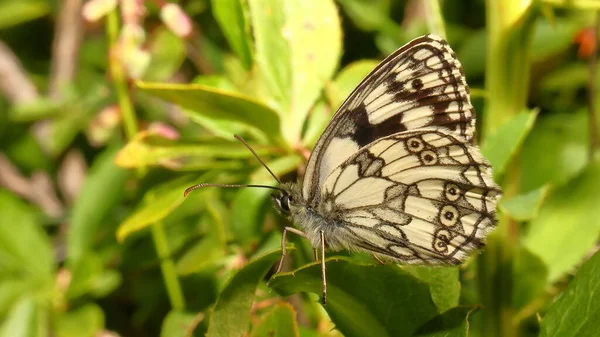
(217, 104)
(272, 49)
(452, 323)
(444, 284)
(231, 16)
(577, 310)
(500, 147)
(359, 297)
(231, 314)
(101, 191)
(179, 324)
(525, 207)
(315, 43)
(159, 202)
(278, 322)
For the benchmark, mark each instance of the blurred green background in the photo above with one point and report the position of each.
(110, 109)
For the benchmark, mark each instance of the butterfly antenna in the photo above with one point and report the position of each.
(257, 157)
(189, 189)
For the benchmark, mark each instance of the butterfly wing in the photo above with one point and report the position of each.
(420, 85)
(424, 196)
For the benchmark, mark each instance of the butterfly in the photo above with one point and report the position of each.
(396, 173)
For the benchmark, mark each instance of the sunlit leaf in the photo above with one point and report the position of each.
(231, 16)
(218, 104)
(159, 202)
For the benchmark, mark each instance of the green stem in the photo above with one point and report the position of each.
(167, 266)
(510, 27)
(117, 72)
(435, 19)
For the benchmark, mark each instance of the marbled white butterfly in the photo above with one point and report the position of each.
(395, 172)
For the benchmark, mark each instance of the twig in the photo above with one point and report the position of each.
(38, 189)
(593, 120)
(65, 46)
(14, 83)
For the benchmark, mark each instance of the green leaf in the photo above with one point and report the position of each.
(315, 43)
(530, 277)
(89, 276)
(358, 297)
(444, 284)
(211, 249)
(348, 79)
(555, 150)
(26, 319)
(167, 53)
(577, 311)
(452, 323)
(14, 12)
(19, 232)
(86, 321)
(247, 208)
(218, 104)
(525, 207)
(145, 151)
(101, 191)
(272, 55)
(501, 146)
(280, 321)
(179, 324)
(158, 203)
(567, 227)
(231, 16)
(231, 314)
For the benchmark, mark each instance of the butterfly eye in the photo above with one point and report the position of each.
(285, 203)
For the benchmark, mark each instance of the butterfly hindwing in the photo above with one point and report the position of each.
(424, 196)
(420, 85)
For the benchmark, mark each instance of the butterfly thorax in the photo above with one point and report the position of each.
(309, 219)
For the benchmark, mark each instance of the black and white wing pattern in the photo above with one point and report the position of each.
(420, 85)
(424, 196)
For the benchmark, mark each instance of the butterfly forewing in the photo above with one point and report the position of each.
(424, 196)
(420, 85)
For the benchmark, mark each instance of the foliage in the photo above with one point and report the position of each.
(101, 134)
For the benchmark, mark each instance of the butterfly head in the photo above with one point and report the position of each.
(287, 199)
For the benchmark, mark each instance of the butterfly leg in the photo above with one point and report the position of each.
(323, 268)
(283, 241)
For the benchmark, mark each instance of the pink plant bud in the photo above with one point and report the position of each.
(135, 59)
(93, 10)
(164, 130)
(132, 11)
(103, 126)
(175, 18)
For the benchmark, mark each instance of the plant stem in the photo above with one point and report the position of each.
(117, 72)
(167, 266)
(510, 27)
(435, 19)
